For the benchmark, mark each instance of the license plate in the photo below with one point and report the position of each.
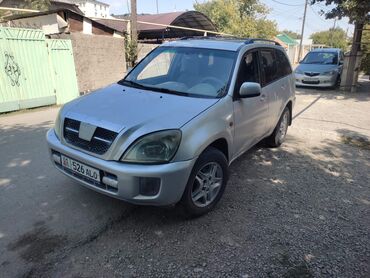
(308, 79)
(81, 168)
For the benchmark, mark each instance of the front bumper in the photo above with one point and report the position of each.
(316, 81)
(173, 176)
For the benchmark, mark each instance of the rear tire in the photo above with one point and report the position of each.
(206, 183)
(280, 131)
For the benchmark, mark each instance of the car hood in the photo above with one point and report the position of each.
(316, 67)
(118, 107)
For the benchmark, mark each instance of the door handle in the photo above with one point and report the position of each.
(263, 97)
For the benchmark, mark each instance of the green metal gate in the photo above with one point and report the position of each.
(31, 73)
(64, 72)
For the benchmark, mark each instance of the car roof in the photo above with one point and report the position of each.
(326, 50)
(220, 43)
(231, 45)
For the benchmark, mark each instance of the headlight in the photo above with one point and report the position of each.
(298, 71)
(332, 72)
(157, 147)
(57, 125)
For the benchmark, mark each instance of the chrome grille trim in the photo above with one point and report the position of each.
(99, 144)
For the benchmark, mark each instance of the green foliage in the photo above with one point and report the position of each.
(131, 51)
(291, 34)
(332, 38)
(354, 9)
(365, 63)
(243, 18)
(41, 5)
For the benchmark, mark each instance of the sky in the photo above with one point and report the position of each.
(287, 13)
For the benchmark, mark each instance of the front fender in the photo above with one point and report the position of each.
(211, 125)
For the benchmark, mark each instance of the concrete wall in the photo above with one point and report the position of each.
(99, 60)
(50, 23)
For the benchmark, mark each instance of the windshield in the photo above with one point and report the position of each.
(327, 58)
(184, 70)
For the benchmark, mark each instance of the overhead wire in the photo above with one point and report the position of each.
(286, 4)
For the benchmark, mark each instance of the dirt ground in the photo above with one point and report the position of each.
(302, 210)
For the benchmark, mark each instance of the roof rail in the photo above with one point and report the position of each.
(201, 37)
(248, 41)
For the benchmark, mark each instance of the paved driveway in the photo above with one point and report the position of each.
(302, 209)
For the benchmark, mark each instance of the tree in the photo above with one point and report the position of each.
(358, 13)
(365, 63)
(40, 5)
(291, 34)
(243, 18)
(332, 38)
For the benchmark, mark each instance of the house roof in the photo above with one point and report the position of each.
(54, 5)
(78, 1)
(60, 11)
(190, 19)
(286, 39)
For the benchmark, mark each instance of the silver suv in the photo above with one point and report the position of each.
(168, 131)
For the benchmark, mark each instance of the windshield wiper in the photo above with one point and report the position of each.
(151, 88)
(169, 91)
(133, 84)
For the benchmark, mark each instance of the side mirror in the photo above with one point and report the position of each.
(249, 89)
(340, 62)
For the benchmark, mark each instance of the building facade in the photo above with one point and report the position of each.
(92, 8)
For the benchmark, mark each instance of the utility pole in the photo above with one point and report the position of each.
(332, 32)
(302, 30)
(133, 22)
(156, 2)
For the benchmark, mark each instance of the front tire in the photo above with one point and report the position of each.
(280, 131)
(206, 183)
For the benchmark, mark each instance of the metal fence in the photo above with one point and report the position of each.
(34, 71)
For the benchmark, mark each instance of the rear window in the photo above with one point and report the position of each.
(284, 67)
(269, 66)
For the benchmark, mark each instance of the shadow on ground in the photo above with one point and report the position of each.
(362, 94)
(286, 212)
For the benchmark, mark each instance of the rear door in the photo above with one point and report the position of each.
(250, 114)
(276, 75)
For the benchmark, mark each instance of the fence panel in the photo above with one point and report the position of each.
(25, 78)
(63, 67)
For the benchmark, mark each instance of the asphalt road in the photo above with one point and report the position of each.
(299, 211)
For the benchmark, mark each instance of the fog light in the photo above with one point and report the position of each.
(149, 186)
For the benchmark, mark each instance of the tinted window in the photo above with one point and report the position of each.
(283, 64)
(248, 70)
(269, 66)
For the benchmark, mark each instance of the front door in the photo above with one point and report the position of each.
(250, 114)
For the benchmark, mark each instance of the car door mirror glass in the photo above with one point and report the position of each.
(249, 89)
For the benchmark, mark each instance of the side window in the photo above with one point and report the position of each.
(248, 70)
(283, 64)
(269, 66)
(159, 66)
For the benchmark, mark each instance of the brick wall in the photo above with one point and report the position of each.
(99, 60)
(99, 29)
(75, 23)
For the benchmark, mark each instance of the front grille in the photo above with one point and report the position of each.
(312, 73)
(100, 142)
